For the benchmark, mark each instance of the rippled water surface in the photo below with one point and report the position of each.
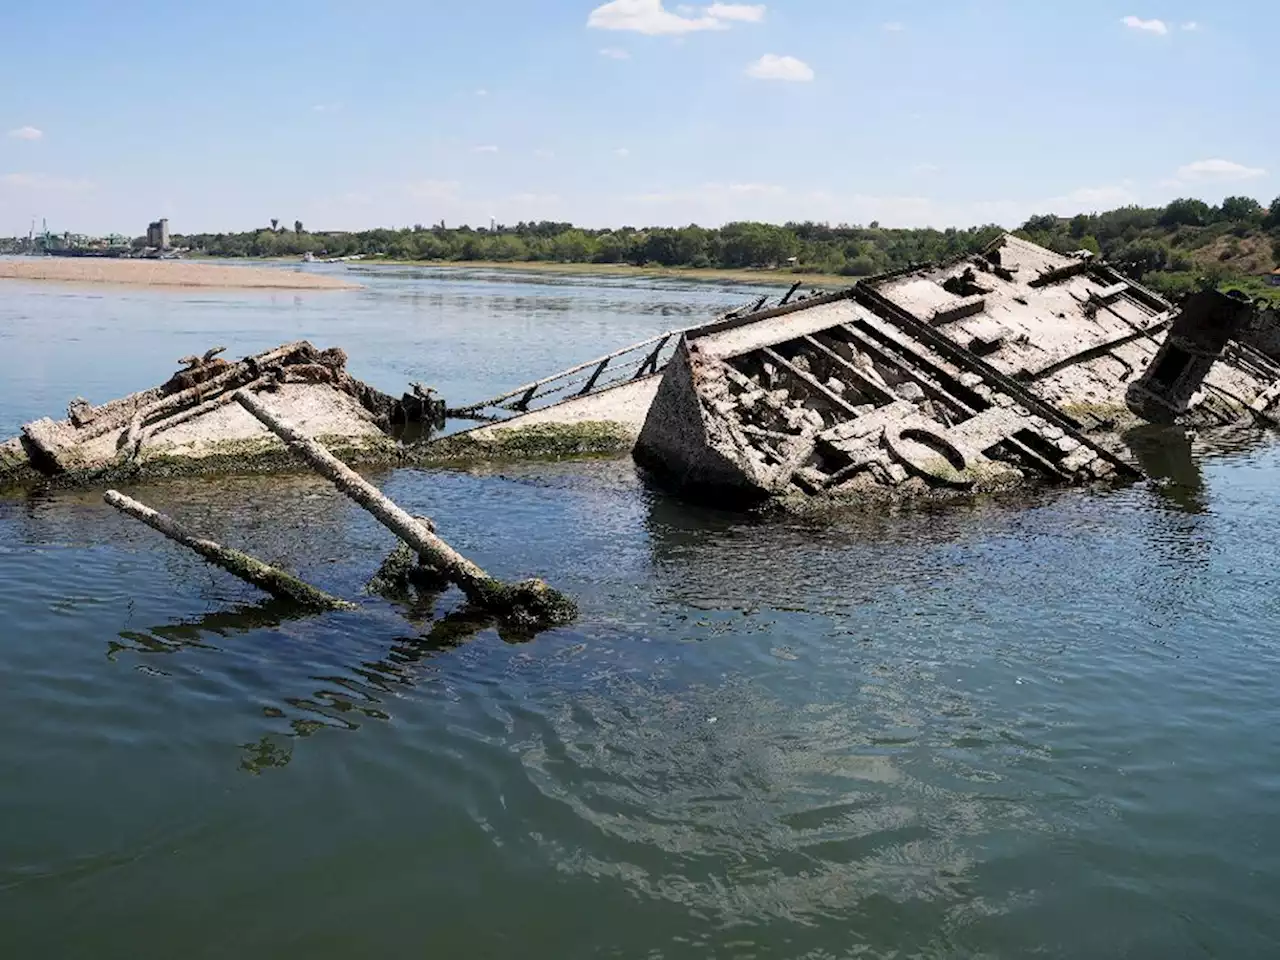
(1043, 728)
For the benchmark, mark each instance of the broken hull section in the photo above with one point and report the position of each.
(190, 424)
(1020, 366)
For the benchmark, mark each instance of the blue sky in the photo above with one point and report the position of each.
(347, 115)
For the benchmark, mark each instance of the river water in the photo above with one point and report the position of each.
(1044, 727)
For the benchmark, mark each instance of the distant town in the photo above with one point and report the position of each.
(154, 244)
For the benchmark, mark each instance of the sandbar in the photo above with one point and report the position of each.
(165, 273)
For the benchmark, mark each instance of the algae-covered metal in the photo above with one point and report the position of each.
(1016, 365)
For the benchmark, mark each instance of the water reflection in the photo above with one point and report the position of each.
(356, 691)
(1166, 455)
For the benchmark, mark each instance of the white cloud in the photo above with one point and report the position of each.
(622, 152)
(482, 92)
(615, 53)
(894, 27)
(1191, 26)
(741, 12)
(327, 107)
(648, 17)
(486, 148)
(773, 67)
(1148, 26)
(27, 133)
(543, 154)
(1218, 169)
(925, 168)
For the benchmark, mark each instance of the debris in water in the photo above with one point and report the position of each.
(529, 604)
(262, 575)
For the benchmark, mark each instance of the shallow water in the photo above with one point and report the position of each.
(1041, 727)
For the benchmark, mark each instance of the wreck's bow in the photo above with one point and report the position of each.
(190, 424)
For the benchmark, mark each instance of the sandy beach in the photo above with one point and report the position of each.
(165, 273)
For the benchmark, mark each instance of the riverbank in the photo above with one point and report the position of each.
(744, 276)
(165, 273)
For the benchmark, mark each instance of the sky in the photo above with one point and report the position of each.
(222, 116)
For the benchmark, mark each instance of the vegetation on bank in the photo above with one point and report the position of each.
(1174, 248)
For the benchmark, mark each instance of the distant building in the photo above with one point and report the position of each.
(1275, 277)
(158, 234)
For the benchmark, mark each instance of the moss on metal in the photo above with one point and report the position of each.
(226, 457)
(544, 441)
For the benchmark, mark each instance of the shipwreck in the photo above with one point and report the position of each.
(1013, 366)
(190, 423)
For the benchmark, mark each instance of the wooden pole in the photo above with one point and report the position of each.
(529, 602)
(262, 575)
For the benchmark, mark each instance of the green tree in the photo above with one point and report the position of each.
(1141, 257)
(297, 226)
(1042, 223)
(572, 246)
(1238, 209)
(264, 244)
(612, 248)
(1185, 211)
(1272, 219)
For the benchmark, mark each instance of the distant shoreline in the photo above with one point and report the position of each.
(165, 273)
(745, 276)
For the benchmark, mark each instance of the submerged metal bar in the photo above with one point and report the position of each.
(250, 569)
(531, 602)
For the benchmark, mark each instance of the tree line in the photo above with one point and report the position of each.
(1143, 240)
(1173, 247)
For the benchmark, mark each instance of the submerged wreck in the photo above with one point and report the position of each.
(190, 424)
(1017, 365)
(1014, 366)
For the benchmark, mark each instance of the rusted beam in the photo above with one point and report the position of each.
(810, 381)
(529, 602)
(864, 382)
(250, 569)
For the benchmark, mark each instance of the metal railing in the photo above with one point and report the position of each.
(630, 363)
